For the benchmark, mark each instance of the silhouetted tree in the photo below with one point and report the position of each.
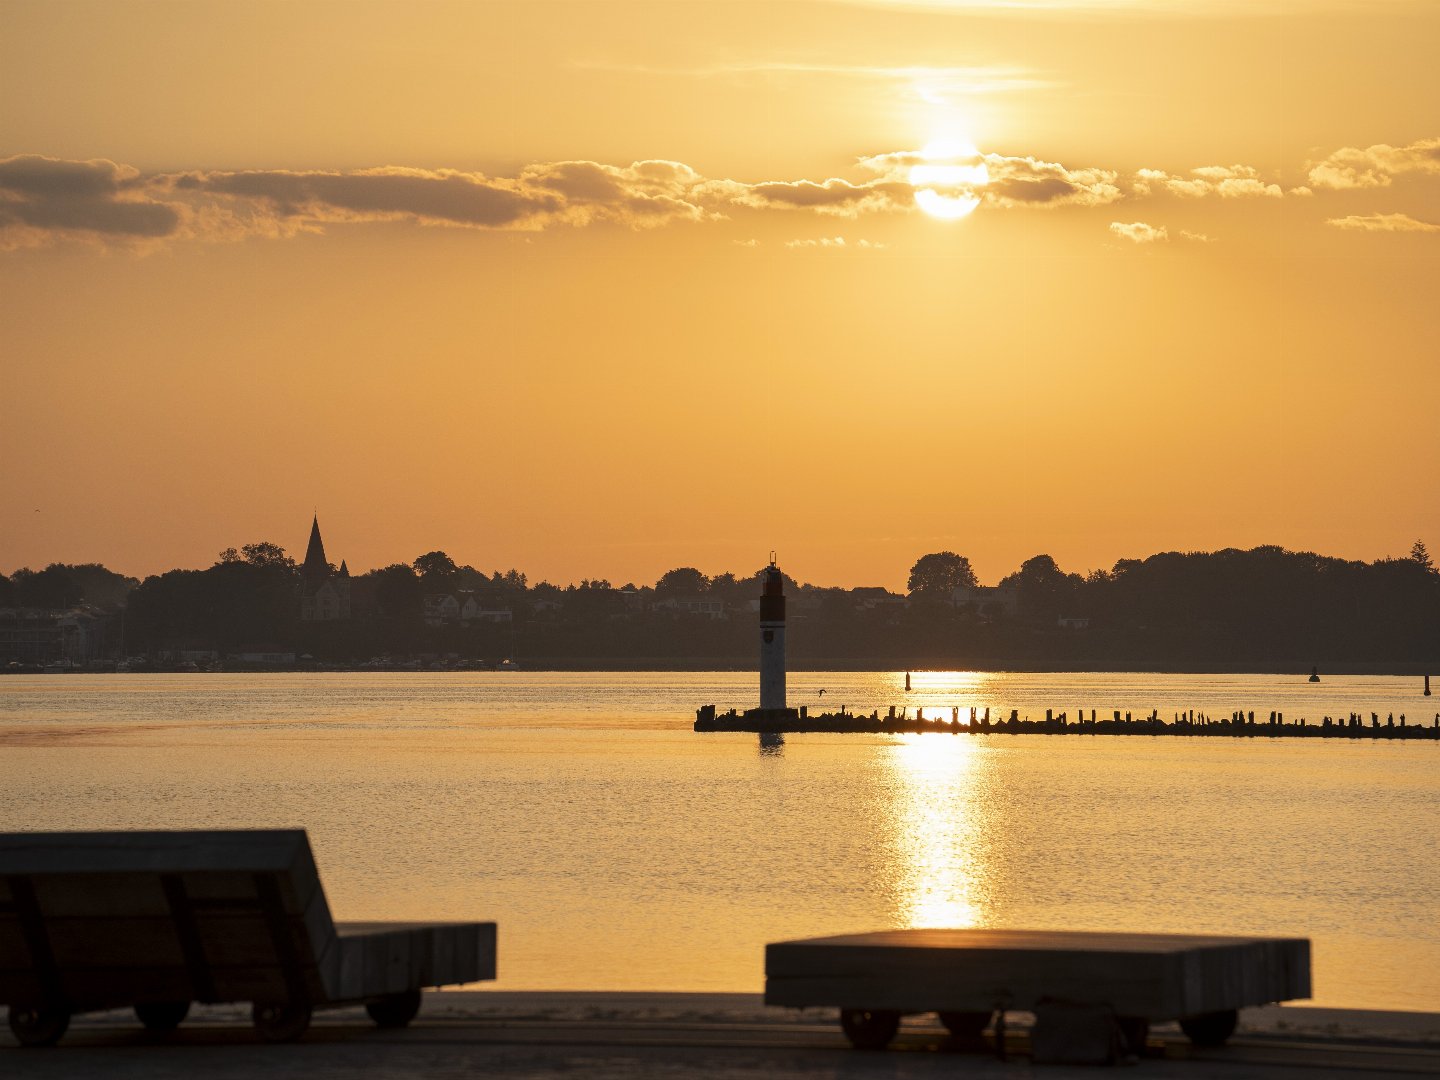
(936, 576)
(683, 580)
(1045, 591)
(437, 571)
(260, 553)
(1421, 554)
(62, 585)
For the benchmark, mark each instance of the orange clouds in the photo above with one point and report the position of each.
(1226, 181)
(43, 200)
(1383, 223)
(1375, 166)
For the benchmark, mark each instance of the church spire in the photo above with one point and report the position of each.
(316, 565)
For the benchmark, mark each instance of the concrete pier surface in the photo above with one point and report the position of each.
(598, 1036)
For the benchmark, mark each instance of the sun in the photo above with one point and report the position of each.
(945, 181)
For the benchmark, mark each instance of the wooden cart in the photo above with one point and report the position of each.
(968, 976)
(157, 920)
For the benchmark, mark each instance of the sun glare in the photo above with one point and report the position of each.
(945, 182)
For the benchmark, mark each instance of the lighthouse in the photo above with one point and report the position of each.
(772, 639)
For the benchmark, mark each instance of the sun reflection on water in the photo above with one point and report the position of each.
(939, 840)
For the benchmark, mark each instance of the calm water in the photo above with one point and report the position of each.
(617, 849)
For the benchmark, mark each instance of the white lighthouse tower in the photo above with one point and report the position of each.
(772, 639)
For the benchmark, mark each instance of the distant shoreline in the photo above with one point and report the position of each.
(711, 664)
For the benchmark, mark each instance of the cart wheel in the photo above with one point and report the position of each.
(1210, 1029)
(965, 1025)
(869, 1029)
(36, 1025)
(162, 1016)
(1135, 1030)
(395, 1011)
(280, 1021)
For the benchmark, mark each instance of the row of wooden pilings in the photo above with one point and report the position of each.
(1119, 722)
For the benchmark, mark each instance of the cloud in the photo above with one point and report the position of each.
(1375, 166)
(833, 242)
(1383, 223)
(1195, 237)
(836, 197)
(40, 196)
(44, 200)
(1139, 232)
(1226, 181)
(1011, 181)
(378, 195)
(1026, 181)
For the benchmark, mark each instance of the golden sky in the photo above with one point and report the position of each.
(599, 289)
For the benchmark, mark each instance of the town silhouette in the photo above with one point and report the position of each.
(258, 607)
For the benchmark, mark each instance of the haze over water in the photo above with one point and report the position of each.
(617, 849)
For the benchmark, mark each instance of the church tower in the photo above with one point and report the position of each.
(324, 594)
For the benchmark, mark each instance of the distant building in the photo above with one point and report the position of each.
(870, 597)
(1073, 622)
(988, 599)
(324, 593)
(693, 605)
(464, 607)
(40, 636)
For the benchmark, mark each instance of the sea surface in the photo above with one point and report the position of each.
(617, 849)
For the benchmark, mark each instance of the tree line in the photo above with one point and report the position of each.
(1221, 609)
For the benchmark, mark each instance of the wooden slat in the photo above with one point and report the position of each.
(383, 958)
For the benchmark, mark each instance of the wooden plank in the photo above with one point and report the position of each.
(1159, 976)
(384, 958)
(180, 851)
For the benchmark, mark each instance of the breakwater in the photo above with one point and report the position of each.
(973, 721)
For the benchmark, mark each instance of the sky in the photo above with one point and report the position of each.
(595, 290)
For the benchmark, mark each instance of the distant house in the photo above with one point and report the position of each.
(870, 597)
(463, 608)
(693, 605)
(440, 608)
(987, 599)
(37, 636)
(324, 593)
(474, 609)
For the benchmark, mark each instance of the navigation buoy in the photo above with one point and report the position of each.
(1427, 685)
(1314, 674)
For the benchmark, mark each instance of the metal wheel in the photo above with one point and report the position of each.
(395, 1011)
(37, 1025)
(280, 1021)
(965, 1025)
(162, 1016)
(1135, 1029)
(1210, 1029)
(869, 1029)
